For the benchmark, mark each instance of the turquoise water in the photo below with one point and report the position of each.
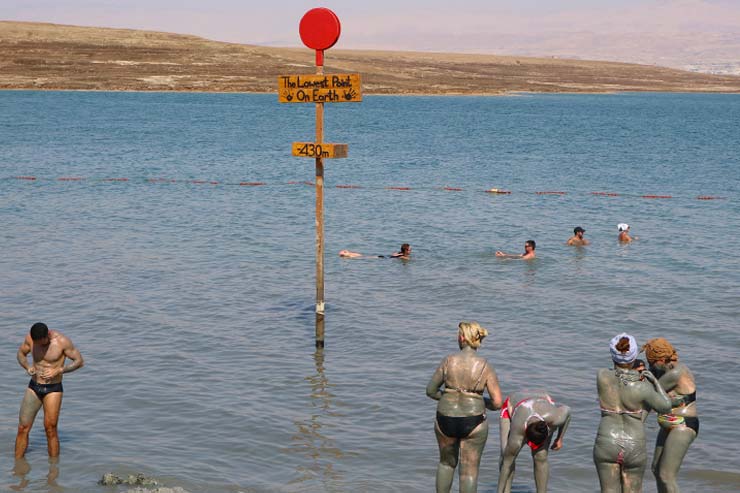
(193, 303)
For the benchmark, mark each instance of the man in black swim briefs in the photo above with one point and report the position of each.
(49, 350)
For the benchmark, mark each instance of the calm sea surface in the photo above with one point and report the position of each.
(193, 303)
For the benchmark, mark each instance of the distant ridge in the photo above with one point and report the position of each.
(51, 56)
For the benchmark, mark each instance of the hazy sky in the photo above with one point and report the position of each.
(466, 25)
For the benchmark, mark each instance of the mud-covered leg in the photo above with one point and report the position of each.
(449, 450)
(659, 446)
(471, 450)
(676, 445)
(29, 408)
(541, 467)
(608, 470)
(52, 406)
(504, 427)
(632, 476)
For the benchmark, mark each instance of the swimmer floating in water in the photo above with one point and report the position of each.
(529, 247)
(577, 239)
(624, 233)
(404, 253)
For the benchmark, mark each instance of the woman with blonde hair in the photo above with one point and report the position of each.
(461, 426)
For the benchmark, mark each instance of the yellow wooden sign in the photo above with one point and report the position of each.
(330, 88)
(312, 149)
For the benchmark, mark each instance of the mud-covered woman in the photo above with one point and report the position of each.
(680, 426)
(461, 426)
(624, 396)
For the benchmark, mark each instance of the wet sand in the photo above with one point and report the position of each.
(49, 56)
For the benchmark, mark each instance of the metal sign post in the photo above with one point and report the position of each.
(319, 29)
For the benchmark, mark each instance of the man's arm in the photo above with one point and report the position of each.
(509, 255)
(71, 352)
(22, 355)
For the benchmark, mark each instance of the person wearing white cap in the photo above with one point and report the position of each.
(624, 233)
(625, 398)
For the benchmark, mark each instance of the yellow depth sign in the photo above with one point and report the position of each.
(330, 88)
(324, 150)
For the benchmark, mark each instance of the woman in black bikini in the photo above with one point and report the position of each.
(680, 426)
(461, 425)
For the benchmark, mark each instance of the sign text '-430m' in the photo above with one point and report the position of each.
(336, 88)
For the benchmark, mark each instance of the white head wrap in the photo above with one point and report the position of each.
(623, 226)
(630, 355)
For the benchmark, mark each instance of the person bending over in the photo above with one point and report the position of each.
(530, 419)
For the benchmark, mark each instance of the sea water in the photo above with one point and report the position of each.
(193, 303)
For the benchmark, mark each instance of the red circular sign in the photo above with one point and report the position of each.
(320, 28)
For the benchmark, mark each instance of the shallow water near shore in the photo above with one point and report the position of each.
(192, 303)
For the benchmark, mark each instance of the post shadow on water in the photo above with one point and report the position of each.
(22, 468)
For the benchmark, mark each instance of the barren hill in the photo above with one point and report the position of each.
(49, 56)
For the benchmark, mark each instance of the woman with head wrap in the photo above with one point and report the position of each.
(625, 395)
(679, 428)
(461, 426)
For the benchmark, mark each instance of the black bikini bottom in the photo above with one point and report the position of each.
(458, 426)
(42, 389)
(692, 423)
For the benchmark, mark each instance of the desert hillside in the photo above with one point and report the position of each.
(49, 56)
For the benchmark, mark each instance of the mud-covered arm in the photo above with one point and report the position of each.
(658, 399)
(22, 356)
(669, 381)
(561, 420)
(494, 391)
(436, 382)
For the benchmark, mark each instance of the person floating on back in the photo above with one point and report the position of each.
(530, 418)
(404, 253)
(577, 239)
(529, 248)
(48, 349)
